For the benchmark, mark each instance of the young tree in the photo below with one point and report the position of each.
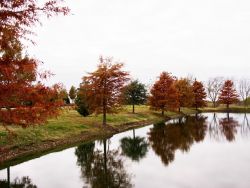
(185, 93)
(104, 87)
(81, 101)
(214, 86)
(72, 93)
(24, 100)
(228, 94)
(244, 90)
(135, 93)
(199, 95)
(164, 95)
(63, 94)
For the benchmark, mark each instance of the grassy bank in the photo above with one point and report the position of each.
(71, 128)
(232, 109)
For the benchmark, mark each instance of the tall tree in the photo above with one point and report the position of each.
(104, 87)
(244, 90)
(72, 93)
(228, 94)
(164, 95)
(23, 100)
(199, 94)
(214, 86)
(135, 93)
(185, 92)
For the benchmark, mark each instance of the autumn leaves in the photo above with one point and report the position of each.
(102, 88)
(24, 99)
(169, 93)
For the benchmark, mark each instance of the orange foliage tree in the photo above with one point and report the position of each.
(185, 92)
(104, 86)
(199, 95)
(24, 100)
(228, 94)
(164, 95)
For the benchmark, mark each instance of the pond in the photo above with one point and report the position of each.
(205, 150)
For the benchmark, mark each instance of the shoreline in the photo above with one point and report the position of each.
(18, 154)
(21, 154)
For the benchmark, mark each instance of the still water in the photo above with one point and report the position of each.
(207, 150)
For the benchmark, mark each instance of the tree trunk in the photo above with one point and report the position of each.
(133, 108)
(227, 107)
(162, 112)
(134, 133)
(104, 119)
(179, 109)
(214, 104)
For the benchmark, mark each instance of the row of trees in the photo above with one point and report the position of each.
(106, 89)
(170, 93)
(215, 86)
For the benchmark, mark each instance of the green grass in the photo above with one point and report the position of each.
(222, 108)
(70, 124)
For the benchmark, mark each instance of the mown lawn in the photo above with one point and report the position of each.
(232, 108)
(70, 124)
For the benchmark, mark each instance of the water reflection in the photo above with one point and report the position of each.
(102, 169)
(134, 147)
(24, 182)
(245, 127)
(117, 162)
(177, 135)
(181, 134)
(227, 127)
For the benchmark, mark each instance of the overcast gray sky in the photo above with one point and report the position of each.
(204, 38)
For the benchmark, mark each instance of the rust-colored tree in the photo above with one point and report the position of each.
(228, 94)
(104, 86)
(185, 92)
(164, 95)
(199, 95)
(23, 99)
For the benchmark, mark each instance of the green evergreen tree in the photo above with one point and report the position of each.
(135, 93)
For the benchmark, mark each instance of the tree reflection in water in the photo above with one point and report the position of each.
(177, 135)
(102, 169)
(220, 128)
(134, 148)
(245, 126)
(24, 182)
(228, 127)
